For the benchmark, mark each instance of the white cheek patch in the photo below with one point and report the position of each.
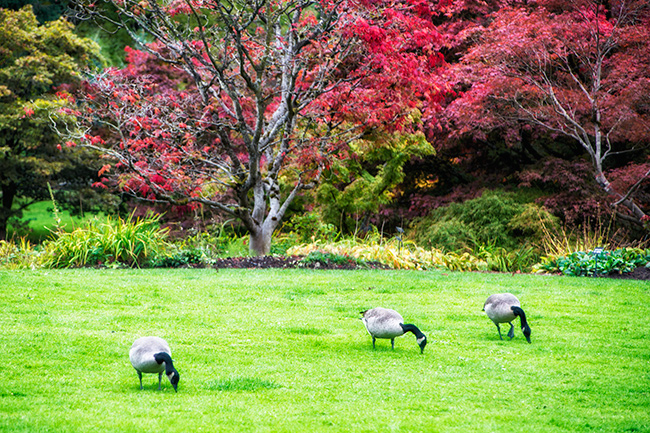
(420, 340)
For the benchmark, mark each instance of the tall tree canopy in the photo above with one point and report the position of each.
(34, 60)
(259, 96)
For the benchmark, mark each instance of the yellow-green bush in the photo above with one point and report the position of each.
(395, 255)
(22, 255)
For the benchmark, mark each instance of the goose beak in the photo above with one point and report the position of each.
(174, 377)
(422, 343)
(527, 334)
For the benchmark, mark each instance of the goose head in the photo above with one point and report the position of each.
(174, 377)
(422, 342)
(526, 331)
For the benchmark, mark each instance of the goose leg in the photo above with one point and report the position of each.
(159, 379)
(392, 343)
(499, 329)
(373, 342)
(511, 333)
(140, 377)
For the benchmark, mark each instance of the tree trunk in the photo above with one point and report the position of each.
(628, 203)
(260, 237)
(265, 216)
(3, 229)
(260, 242)
(8, 195)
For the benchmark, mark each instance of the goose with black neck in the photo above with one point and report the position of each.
(388, 324)
(153, 355)
(504, 308)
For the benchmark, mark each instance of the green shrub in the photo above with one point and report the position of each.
(309, 227)
(325, 258)
(300, 229)
(180, 259)
(198, 250)
(496, 219)
(116, 241)
(587, 263)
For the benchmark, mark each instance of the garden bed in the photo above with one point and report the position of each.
(262, 262)
(640, 273)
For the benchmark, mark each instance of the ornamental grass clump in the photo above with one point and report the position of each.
(115, 241)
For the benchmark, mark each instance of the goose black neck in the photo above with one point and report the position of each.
(519, 312)
(412, 328)
(164, 357)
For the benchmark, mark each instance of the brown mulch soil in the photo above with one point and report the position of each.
(263, 262)
(288, 262)
(257, 262)
(641, 273)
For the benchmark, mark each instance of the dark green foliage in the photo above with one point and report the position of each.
(587, 263)
(325, 259)
(352, 191)
(45, 10)
(302, 228)
(35, 60)
(496, 218)
(181, 259)
(112, 39)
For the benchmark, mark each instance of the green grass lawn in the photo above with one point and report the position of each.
(285, 351)
(41, 220)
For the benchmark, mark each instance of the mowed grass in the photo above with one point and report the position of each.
(285, 351)
(41, 221)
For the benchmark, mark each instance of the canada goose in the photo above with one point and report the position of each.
(152, 355)
(387, 323)
(503, 308)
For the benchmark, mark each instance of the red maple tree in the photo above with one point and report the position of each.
(240, 105)
(578, 70)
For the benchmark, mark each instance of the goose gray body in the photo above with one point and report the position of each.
(388, 324)
(504, 308)
(153, 355)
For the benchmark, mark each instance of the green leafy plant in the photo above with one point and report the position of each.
(38, 62)
(308, 227)
(325, 258)
(200, 249)
(353, 189)
(587, 263)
